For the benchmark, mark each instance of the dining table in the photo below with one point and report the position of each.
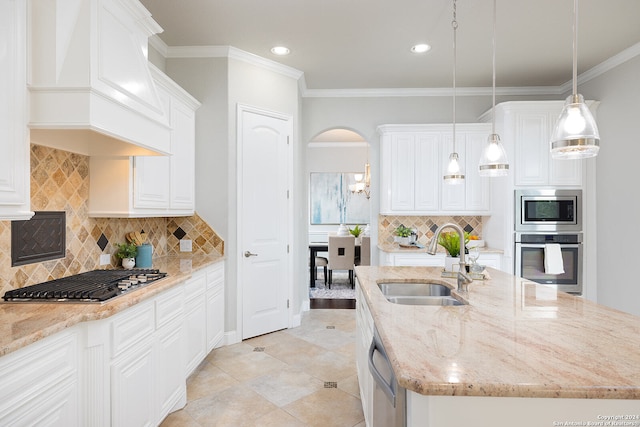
(314, 248)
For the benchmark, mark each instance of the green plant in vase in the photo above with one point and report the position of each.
(451, 242)
(127, 253)
(356, 231)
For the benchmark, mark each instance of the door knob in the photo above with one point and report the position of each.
(247, 254)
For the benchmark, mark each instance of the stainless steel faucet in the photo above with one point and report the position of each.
(463, 278)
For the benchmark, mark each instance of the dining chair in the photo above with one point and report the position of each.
(341, 255)
(365, 251)
(321, 262)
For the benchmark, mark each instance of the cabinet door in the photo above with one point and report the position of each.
(215, 306)
(195, 322)
(426, 177)
(532, 148)
(40, 383)
(171, 384)
(133, 392)
(477, 197)
(151, 188)
(14, 135)
(402, 166)
(183, 156)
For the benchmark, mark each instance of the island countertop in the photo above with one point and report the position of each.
(515, 338)
(22, 324)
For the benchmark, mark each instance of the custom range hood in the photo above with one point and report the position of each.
(91, 91)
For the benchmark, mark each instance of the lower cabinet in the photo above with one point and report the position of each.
(40, 384)
(364, 336)
(128, 370)
(396, 259)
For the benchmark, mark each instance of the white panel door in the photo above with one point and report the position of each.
(427, 172)
(263, 232)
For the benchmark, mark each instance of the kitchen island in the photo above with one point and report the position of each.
(517, 353)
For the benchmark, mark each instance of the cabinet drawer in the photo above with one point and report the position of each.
(169, 306)
(215, 277)
(195, 287)
(131, 327)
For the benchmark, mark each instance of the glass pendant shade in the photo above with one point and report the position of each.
(576, 135)
(454, 174)
(493, 161)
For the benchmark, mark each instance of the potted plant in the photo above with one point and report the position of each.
(127, 253)
(356, 232)
(450, 241)
(403, 235)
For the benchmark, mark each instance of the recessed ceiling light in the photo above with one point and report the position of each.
(421, 48)
(280, 50)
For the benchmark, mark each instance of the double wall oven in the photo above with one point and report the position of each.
(545, 218)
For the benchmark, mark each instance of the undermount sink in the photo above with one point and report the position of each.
(425, 300)
(418, 293)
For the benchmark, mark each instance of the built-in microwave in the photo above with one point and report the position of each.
(548, 210)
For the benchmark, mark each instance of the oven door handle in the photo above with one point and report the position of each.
(542, 245)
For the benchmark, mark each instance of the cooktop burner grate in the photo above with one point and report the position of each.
(92, 286)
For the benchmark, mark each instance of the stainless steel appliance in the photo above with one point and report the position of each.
(530, 253)
(548, 210)
(389, 399)
(97, 286)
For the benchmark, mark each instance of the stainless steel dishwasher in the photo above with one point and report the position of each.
(389, 399)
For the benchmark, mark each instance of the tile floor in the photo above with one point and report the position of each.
(305, 376)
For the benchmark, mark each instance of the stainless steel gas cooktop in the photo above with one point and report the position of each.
(97, 286)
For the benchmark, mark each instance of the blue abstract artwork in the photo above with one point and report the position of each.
(333, 203)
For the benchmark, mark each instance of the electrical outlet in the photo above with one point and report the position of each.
(185, 245)
(105, 259)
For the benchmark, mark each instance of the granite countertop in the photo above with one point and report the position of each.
(395, 248)
(22, 324)
(515, 338)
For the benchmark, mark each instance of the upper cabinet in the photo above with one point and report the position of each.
(525, 127)
(14, 134)
(412, 160)
(148, 186)
(91, 90)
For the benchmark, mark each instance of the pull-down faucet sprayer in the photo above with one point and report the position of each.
(463, 278)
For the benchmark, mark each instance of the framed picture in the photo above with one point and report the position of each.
(333, 203)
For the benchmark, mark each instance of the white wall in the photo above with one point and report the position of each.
(220, 84)
(618, 194)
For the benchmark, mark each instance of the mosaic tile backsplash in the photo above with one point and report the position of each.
(60, 182)
(425, 226)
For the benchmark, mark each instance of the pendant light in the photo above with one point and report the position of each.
(576, 135)
(493, 161)
(454, 173)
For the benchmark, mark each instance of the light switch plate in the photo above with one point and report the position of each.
(185, 245)
(105, 259)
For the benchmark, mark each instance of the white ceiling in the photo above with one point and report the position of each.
(364, 44)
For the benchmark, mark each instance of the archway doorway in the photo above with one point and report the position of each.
(336, 160)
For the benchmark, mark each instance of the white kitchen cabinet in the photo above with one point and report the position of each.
(91, 90)
(151, 186)
(412, 162)
(14, 135)
(41, 383)
(525, 128)
(422, 259)
(364, 336)
(204, 320)
(195, 322)
(170, 340)
(215, 306)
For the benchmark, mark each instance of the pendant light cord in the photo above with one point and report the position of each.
(575, 47)
(493, 124)
(454, 24)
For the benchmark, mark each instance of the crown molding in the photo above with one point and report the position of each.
(408, 92)
(234, 53)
